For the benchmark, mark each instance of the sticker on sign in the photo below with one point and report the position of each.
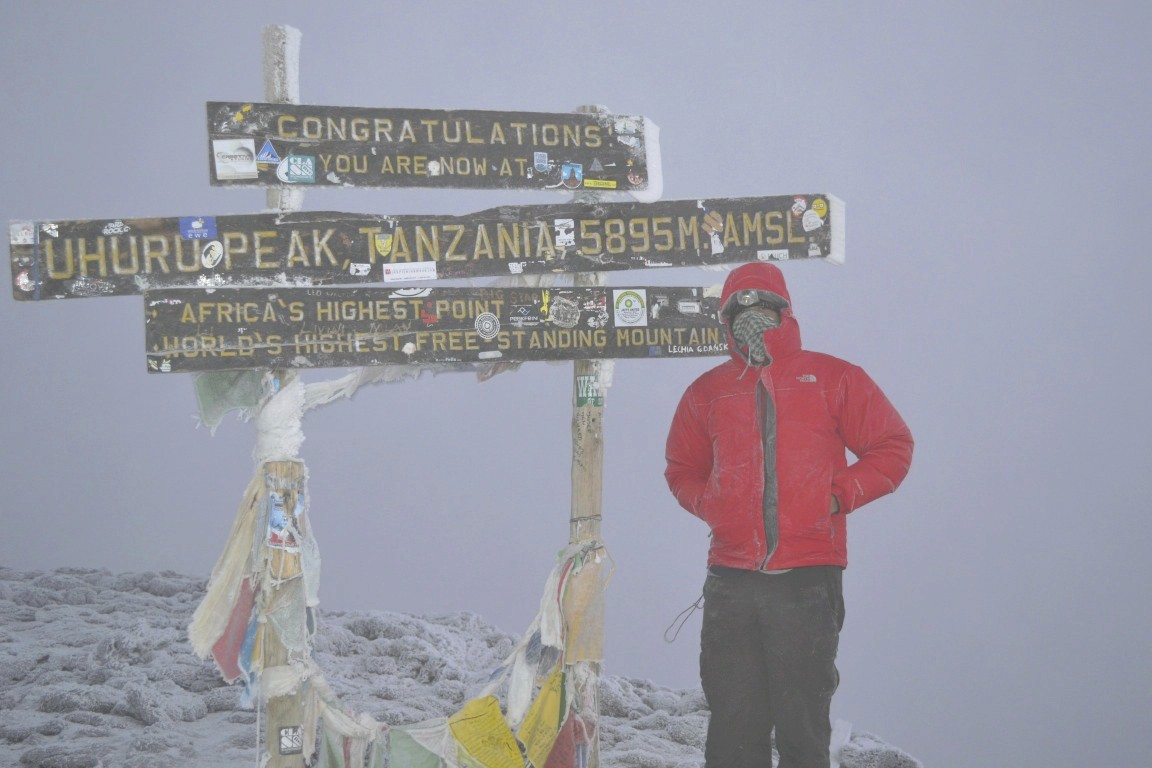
(401, 272)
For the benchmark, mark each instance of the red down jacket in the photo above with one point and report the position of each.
(803, 410)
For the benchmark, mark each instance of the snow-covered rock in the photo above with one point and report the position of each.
(96, 671)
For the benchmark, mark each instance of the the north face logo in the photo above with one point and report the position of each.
(807, 378)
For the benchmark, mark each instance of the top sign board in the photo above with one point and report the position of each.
(314, 146)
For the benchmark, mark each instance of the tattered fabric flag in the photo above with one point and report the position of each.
(335, 751)
(226, 651)
(219, 392)
(215, 611)
(406, 752)
(572, 745)
(484, 737)
(583, 603)
(378, 755)
(434, 736)
(542, 723)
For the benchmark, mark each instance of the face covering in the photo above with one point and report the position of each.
(748, 329)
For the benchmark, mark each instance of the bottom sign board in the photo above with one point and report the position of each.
(191, 330)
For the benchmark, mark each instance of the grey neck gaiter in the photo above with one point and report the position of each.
(748, 329)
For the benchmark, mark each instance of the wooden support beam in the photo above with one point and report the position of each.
(283, 738)
(590, 381)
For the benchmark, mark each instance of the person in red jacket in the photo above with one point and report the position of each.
(757, 450)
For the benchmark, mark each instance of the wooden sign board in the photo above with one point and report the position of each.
(100, 257)
(236, 328)
(319, 146)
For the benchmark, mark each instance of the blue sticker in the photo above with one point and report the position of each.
(268, 154)
(198, 227)
(572, 175)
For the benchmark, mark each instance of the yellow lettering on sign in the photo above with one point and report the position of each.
(731, 237)
(296, 254)
(156, 250)
(791, 237)
(688, 228)
(260, 249)
(508, 235)
(775, 231)
(753, 224)
(483, 245)
(451, 254)
(234, 242)
(320, 246)
(382, 126)
(97, 258)
(119, 268)
(193, 263)
(400, 251)
(282, 127)
(545, 245)
(369, 240)
(424, 242)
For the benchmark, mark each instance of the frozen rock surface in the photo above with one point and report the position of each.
(96, 671)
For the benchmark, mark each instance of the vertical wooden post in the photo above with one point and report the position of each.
(283, 732)
(282, 86)
(590, 382)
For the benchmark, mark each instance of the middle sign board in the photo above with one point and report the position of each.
(237, 328)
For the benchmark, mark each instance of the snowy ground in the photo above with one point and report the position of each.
(95, 672)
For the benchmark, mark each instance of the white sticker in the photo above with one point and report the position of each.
(235, 158)
(22, 233)
(403, 271)
(774, 254)
(812, 220)
(211, 254)
(488, 326)
(359, 270)
(630, 306)
(565, 232)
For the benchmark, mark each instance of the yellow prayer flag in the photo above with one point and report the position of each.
(542, 723)
(484, 737)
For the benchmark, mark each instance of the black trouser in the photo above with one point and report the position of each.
(767, 659)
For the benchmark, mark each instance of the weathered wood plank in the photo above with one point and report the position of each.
(292, 145)
(235, 328)
(102, 257)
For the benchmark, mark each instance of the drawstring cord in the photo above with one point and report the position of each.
(682, 619)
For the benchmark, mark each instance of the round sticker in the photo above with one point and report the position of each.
(24, 281)
(629, 307)
(487, 325)
(211, 254)
(820, 206)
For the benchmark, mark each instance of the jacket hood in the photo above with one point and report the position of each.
(760, 276)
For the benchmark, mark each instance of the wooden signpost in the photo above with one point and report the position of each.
(280, 144)
(285, 290)
(110, 257)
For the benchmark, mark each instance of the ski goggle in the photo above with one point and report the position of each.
(753, 297)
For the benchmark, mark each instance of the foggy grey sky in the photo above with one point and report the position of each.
(993, 158)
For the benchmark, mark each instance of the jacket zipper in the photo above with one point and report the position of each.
(768, 451)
